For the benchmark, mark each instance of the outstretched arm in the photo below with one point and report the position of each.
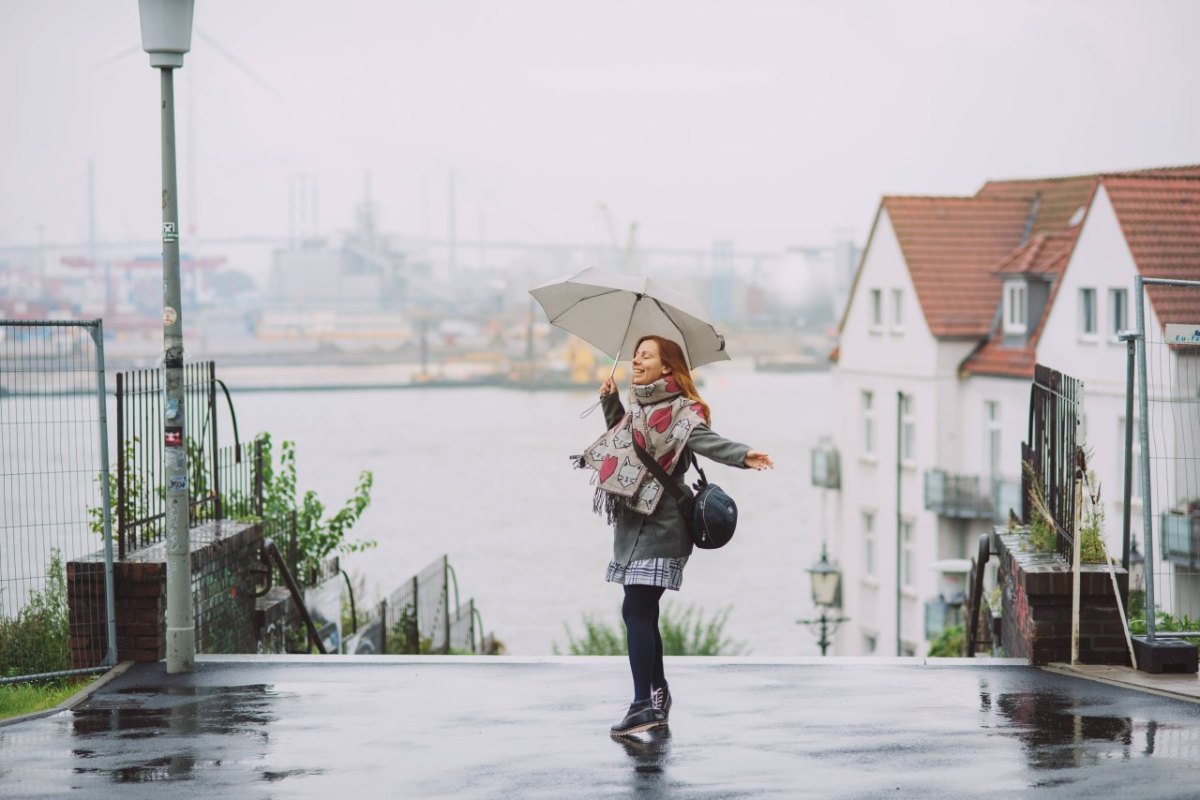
(704, 441)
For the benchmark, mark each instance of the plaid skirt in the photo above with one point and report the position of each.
(664, 572)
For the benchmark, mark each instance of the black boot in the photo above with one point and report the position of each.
(642, 716)
(660, 698)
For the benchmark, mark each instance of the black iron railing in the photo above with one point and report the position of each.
(1051, 454)
(139, 497)
(958, 496)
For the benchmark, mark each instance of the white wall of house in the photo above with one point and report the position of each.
(886, 358)
(952, 421)
(1102, 263)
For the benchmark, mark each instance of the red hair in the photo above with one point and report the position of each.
(673, 359)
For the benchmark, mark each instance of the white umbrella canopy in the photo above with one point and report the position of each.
(612, 311)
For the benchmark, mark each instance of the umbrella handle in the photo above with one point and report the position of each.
(587, 411)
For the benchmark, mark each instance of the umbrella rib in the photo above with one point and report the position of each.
(667, 314)
(583, 299)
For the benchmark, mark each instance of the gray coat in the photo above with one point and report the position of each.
(663, 534)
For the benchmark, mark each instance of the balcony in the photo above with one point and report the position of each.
(971, 497)
(826, 466)
(1179, 532)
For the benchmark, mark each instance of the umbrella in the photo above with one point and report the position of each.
(612, 312)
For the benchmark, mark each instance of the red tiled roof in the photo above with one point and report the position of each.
(951, 246)
(992, 359)
(1159, 213)
(1060, 202)
(1160, 217)
(1041, 255)
(956, 247)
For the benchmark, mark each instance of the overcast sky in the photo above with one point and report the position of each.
(767, 123)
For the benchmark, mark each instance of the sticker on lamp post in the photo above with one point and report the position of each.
(170, 234)
(170, 315)
(1183, 334)
(173, 436)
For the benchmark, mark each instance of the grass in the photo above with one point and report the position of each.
(685, 632)
(17, 699)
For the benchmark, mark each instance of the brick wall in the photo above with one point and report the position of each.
(1036, 602)
(224, 555)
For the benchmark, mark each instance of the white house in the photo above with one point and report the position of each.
(954, 301)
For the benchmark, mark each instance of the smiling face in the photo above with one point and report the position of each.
(647, 363)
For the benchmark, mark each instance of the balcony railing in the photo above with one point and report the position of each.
(1180, 534)
(971, 497)
(826, 466)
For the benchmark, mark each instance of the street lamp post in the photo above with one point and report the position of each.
(826, 593)
(166, 36)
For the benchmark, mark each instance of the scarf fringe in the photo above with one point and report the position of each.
(605, 504)
(610, 506)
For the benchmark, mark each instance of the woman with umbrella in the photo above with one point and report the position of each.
(667, 419)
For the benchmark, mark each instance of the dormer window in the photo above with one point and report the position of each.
(1016, 305)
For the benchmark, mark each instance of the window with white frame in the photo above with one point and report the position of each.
(1014, 308)
(1087, 312)
(908, 555)
(992, 434)
(1118, 310)
(1135, 488)
(897, 310)
(908, 429)
(868, 534)
(868, 423)
(876, 309)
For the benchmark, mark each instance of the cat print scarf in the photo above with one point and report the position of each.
(660, 419)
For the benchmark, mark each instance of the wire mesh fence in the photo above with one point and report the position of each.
(1165, 450)
(421, 616)
(55, 530)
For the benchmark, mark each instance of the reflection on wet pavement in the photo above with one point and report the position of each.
(171, 713)
(649, 752)
(1053, 730)
(500, 728)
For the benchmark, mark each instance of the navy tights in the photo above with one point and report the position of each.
(640, 611)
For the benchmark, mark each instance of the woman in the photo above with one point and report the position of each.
(651, 545)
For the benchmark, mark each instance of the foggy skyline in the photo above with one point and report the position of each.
(768, 124)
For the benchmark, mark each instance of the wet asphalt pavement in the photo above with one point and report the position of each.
(511, 728)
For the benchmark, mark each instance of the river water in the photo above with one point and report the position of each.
(482, 475)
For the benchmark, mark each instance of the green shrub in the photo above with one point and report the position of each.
(37, 639)
(317, 536)
(405, 637)
(950, 643)
(1165, 623)
(684, 633)
(139, 495)
(598, 639)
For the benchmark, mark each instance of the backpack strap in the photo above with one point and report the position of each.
(658, 472)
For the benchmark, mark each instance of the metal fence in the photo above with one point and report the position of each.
(140, 502)
(1050, 456)
(1162, 448)
(54, 500)
(422, 616)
